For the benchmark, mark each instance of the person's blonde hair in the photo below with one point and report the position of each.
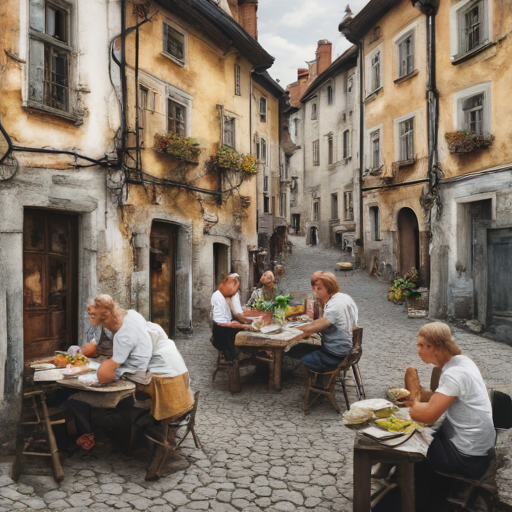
(330, 282)
(107, 302)
(440, 336)
(315, 276)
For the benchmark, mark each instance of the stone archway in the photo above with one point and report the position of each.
(408, 240)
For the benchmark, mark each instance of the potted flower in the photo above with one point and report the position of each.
(183, 148)
(463, 141)
(227, 159)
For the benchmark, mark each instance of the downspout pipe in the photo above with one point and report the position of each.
(124, 99)
(360, 46)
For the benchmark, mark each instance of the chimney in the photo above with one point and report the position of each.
(247, 16)
(302, 74)
(323, 55)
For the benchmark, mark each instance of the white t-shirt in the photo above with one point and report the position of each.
(132, 346)
(470, 427)
(341, 311)
(221, 310)
(166, 359)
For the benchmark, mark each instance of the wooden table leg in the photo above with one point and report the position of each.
(362, 481)
(407, 486)
(278, 363)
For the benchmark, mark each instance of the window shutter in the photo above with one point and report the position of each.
(36, 71)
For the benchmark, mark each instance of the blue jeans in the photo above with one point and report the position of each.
(321, 361)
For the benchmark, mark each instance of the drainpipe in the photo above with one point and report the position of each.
(360, 46)
(123, 83)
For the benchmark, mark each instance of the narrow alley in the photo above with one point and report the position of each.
(260, 452)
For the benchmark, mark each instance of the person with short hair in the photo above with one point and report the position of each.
(339, 317)
(225, 304)
(267, 291)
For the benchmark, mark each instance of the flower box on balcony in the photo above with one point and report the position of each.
(182, 148)
(227, 159)
(462, 141)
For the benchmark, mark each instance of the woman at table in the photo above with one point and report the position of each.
(464, 444)
(267, 290)
(335, 327)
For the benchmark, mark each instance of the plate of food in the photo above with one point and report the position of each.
(62, 360)
(89, 379)
(42, 366)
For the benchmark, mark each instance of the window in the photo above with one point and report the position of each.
(313, 111)
(50, 54)
(266, 204)
(471, 26)
(316, 209)
(330, 150)
(176, 118)
(346, 144)
(237, 80)
(229, 132)
(286, 167)
(375, 223)
(263, 151)
(350, 84)
(296, 126)
(349, 206)
(263, 110)
(258, 150)
(473, 107)
(174, 43)
(334, 206)
(406, 131)
(329, 95)
(316, 152)
(282, 206)
(473, 114)
(273, 205)
(375, 72)
(143, 105)
(406, 55)
(375, 150)
(265, 183)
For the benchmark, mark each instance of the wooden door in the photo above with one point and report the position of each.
(163, 276)
(50, 282)
(220, 263)
(500, 283)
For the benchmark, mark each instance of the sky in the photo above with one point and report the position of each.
(290, 29)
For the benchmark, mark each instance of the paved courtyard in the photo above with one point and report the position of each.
(260, 451)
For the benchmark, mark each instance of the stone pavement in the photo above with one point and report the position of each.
(260, 451)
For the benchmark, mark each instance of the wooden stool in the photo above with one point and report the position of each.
(233, 368)
(171, 441)
(315, 385)
(43, 418)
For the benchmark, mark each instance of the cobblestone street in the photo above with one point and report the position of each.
(260, 451)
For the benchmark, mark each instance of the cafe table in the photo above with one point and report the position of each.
(270, 348)
(368, 452)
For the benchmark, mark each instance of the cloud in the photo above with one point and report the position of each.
(303, 15)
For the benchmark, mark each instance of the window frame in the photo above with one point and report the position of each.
(409, 67)
(335, 213)
(375, 134)
(461, 96)
(316, 209)
(170, 103)
(330, 149)
(48, 44)
(406, 139)
(316, 152)
(264, 151)
(347, 144)
(330, 95)
(166, 24)
(266, 204)
(263, 109)
(314, 111)
(458, 50)
(229, 121)
(374, 215)
(237, 75)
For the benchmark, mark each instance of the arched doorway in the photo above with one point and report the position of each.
(408, 240)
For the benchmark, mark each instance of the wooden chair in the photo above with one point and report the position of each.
(41, 416)
(316, 382)
(485, 486)
(170, 439)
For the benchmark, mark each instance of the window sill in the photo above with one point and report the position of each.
(407, 77)
(168, 155)
(373, 95)
(404, 163)
(346, 160)
(173, 59)
(462, 57)
(72, 118)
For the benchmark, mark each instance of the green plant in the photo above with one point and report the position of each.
(184, 148)
(403, 287)
(462, 141)
(227, 159)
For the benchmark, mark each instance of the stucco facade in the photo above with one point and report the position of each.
(86, 206)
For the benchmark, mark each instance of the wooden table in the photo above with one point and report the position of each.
(367, 453)
(273, 346)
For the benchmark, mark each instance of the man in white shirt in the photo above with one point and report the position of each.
(226, 305)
